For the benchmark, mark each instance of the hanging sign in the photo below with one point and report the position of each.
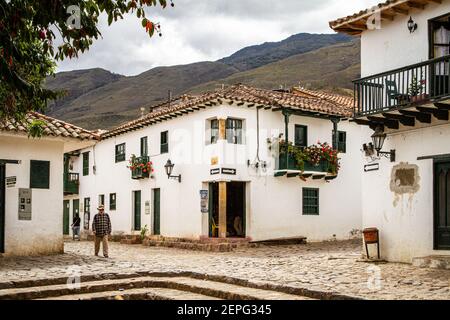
(229, 171)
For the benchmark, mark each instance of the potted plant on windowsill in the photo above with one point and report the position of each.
(415, 90)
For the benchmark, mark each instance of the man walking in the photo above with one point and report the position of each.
(101, 226)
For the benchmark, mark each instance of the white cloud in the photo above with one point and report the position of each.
(199, 30)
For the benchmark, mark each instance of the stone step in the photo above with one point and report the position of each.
(136, 294)
(432, 262)
(108, 288)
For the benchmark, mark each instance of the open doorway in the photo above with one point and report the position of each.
(235, 209)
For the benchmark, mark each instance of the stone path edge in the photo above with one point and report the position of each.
(315, 294)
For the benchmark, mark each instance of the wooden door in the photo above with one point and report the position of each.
(442, 206)
(137, 210)
(66, 217)
(156, 211)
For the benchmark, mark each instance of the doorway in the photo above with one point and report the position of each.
(442, 206)
(2, 206)
(156, 212)
(137, 210)
(66, 218)
(235, 209)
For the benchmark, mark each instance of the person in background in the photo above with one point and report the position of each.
(101, 226)
(76, 227)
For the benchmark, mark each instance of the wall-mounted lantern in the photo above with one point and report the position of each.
(169, 169)
(378, 139)
(412, 25)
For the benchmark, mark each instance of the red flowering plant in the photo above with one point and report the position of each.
(140, 164)
(314, 155)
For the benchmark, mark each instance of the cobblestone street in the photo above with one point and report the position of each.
(332, 266)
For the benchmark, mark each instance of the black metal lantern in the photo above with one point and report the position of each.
(169, 169)
(412, 26)
(378, 139)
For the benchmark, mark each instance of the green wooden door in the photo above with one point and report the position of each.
(156, 211)
(2, 207)
(76, 208)
(442, 206)
(66, 217)
(137, 210)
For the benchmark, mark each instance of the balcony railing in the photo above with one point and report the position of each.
(416, 84)
(140, 172)
(71, 183)
(293, 165)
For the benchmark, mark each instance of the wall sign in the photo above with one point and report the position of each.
(11, 182)
(215, 171)
(147, 207)
(25, 204)
(372, 167)
(229, 171)
(204, 201)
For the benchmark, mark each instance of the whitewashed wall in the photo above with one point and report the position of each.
(274, 205)
(43, 234)
(405, 221)
(393, 46)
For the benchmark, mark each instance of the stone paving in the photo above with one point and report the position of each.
(329, 266)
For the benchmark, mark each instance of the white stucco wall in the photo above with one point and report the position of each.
(43, 234)
(393, 46)
(405, 221)
(274, 205)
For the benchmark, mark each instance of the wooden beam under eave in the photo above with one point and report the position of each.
(437, 113)
(391, 124)
(415, 5)
(404, 120)
(399, 10)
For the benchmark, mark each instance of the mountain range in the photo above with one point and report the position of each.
(99, 99)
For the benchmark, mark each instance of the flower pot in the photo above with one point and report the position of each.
(419, 97)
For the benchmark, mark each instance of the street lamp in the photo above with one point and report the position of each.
(378, 139)
(169, 169)
(412, 26)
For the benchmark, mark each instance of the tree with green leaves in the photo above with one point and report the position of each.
(28, 53)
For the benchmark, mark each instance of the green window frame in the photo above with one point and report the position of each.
(301, 136)
(311, 201)
(214, 131)
(101, 199)
(234, 131)
(86, 163)
(120, 152)
(342, 141)
(112, 201)
(144, 146)
(39, 174)
(164, 142)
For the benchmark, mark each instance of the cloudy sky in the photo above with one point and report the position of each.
(199, 30)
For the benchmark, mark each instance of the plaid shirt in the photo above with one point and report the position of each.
(101, 225)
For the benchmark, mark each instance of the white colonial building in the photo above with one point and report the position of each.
(404, 95)
(228, 177)
(31, 184)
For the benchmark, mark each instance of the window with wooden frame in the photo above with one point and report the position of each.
(112, 201)
(85, 163)
(39, 174)
(301, 136)
(342, 141)
(310, 201)
(101, 200)
(164, 142)
(144, 146)
(214, 131)
(234, 131)
(120, 152)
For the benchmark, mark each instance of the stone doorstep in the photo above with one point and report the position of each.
(303, 292)
(202, 287)
(432, 262)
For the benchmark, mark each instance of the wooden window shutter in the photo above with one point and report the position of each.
(39, 174)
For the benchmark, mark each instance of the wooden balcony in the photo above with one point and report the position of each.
(288, 166)
(141, 173)
(71, 183)
(417, 92)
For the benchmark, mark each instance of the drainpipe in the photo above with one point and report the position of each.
(286, 114)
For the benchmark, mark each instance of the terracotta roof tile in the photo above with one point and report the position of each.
(327, 105)
(52, 127)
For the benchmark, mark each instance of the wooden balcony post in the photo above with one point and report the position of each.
(222, 209)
